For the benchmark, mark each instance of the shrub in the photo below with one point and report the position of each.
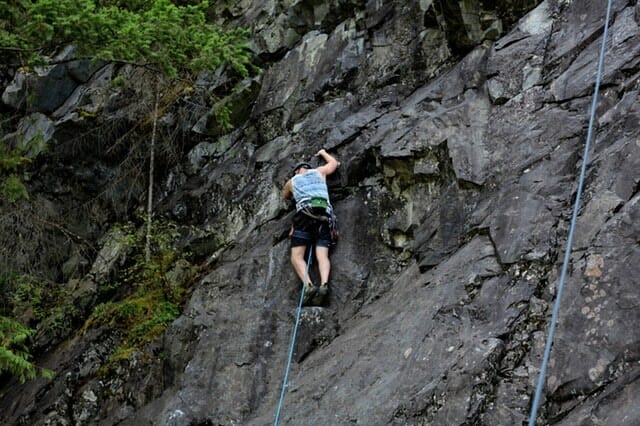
(14, 353)
(154, 301)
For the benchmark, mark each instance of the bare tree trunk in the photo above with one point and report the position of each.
(152, 149)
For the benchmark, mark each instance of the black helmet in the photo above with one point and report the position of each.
(302, 165)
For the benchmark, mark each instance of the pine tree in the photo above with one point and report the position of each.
(170, 38)
(159, 34)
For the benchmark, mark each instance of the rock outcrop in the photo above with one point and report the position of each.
(460, 129)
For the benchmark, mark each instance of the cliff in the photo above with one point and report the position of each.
(460, 127)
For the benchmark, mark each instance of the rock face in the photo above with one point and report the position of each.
(460, 127)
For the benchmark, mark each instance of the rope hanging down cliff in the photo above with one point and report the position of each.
(574, 218)
(293, 340)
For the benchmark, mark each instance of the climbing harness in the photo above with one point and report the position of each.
(293, 339)
(574, 218)
(321, 216)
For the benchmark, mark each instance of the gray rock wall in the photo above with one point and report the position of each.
(459, 165)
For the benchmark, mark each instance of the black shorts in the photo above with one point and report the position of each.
(310, 231)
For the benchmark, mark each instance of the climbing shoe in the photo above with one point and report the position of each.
(321, 295)
(309, 293)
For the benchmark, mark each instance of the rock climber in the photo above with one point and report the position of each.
(312, 222)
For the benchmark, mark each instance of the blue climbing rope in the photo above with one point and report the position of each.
(574, 219)
(293, 340)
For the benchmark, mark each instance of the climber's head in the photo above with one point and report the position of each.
(301, 166)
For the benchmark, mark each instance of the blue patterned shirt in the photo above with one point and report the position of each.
(307, 186)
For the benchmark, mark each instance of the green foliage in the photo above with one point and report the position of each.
(118, 81)
(11, 187)
(28, 302)
(222, 114)
(11, 159)
(27, 296)
(46, 304)
(172, 37)
(14, 353)
(156, 299)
